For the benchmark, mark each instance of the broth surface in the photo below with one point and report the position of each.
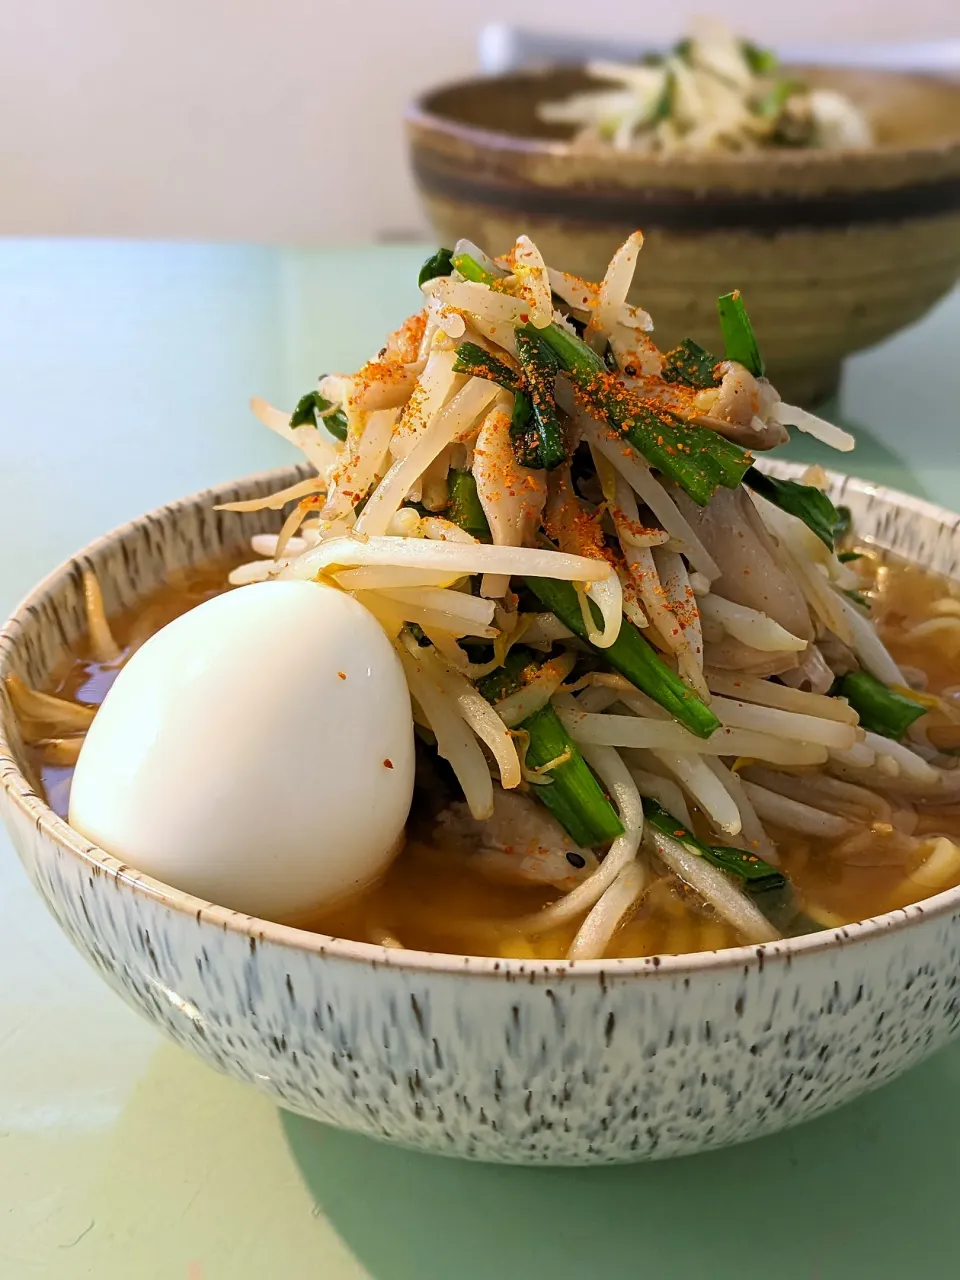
(429, 900)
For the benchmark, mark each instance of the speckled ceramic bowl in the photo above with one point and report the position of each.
(536, 1062)
(833, 250)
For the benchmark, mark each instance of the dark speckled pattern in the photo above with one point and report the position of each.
(498, 1060)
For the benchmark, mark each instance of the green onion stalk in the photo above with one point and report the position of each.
(464, 507)
(573, 795)
(881, 710)
(805, 502)
(693, 457)
(689, 365)
(631, 655)
(540, 367)
(738, 336)
(697, 459)
(569, 789)
(472, 359)
(756, 874)
(309, 409)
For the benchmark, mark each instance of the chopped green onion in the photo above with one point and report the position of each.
(663, 107)
(308, 408)
(574, 796)
(848, 557)
(695, 458)
(464, 508)
(539, 365)
(760, 61)
(519, 667)
(631, 656)
(879, 708)
(439, 264)
(739, 341)
(730, 460)
(472, 359)
(758, 876)
(523, 432)
(471, 269)
(773, 102)
(690, 365)
(575, 357)
(858, 597)
(808, 504)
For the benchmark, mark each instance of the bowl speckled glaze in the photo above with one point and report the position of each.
(834, 250)
(506, 1060)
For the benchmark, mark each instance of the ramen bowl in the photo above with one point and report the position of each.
(834, 250)
(538, 1062)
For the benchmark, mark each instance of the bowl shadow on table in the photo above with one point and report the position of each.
(866, 1191)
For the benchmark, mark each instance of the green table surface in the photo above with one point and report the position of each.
(124, 376)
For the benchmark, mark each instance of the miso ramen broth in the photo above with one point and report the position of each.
(432, 899)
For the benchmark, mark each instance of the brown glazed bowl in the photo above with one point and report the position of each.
(833, 250)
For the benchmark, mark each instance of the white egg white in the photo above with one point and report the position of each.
(257, 752)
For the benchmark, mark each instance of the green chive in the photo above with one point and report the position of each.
(472, 359)
(464, 508)
(775, 99)
(880, 709)
(696, 459)
(471, 269)
(690, 365)
(758, 876)
(308, 409)
(539, 365)
(439, 264)
(574, 796)
(844, 525)
(760, 61)
(808, 504)
(739, 341)
(523, 432)
(631, 655)
(519, 668)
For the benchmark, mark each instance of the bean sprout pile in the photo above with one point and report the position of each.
(633, 655)
(711, 92)
(607, 614)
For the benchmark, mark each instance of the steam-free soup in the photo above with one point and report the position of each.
(443, 894)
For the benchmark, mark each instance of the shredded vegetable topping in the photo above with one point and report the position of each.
(711, 92)
(618, 634)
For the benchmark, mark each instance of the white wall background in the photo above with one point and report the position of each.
(279, 120)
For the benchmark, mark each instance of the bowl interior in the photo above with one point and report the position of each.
(906, 111)
(133, 560)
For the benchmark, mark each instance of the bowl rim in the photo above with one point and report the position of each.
(419, 113)
(16, 790)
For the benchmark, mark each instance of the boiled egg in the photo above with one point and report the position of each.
(256, 752)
